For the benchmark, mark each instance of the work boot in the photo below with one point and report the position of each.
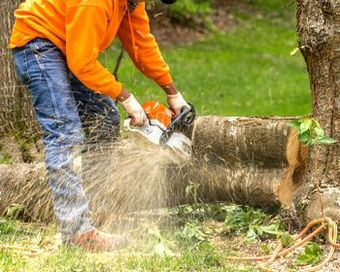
(96, 241)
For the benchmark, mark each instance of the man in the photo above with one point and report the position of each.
(55, 45)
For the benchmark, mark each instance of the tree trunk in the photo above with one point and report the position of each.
(319, 32)
(16, 114)
(252, 161)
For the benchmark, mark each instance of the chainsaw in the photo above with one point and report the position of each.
(164, 128)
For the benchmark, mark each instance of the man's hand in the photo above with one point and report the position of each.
(134, 110)
(175, 99)
(176, 102)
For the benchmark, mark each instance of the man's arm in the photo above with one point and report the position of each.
(85, 27)
(142, 47)
(135, 35)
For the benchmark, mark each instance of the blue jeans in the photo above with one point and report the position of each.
(71, 117)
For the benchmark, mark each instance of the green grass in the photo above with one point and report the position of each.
(188, 252)
(6, 159)
(246, 72)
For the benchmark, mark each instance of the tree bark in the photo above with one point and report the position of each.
(256, 160)
(251, 161)
(16, 112)
(319, 32)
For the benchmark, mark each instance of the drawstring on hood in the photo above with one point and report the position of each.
(131, 5)
(133, 40)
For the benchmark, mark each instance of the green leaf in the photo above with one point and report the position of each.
(325, 140)
(310, 133)
(271, 229)
(305, 138)
(295, 124)
(251, 234)
(310, 255)
(286, 239)
(192, 231)
(319, 132)
(306, 125)
(158, 244)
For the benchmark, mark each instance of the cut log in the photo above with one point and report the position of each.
(240, 160)
(246, 160)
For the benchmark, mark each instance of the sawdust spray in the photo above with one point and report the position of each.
(127, 177)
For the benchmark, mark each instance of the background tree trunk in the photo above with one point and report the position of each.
(17, 122)
(319, 32)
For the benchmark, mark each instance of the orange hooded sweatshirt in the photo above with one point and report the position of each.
(82, 29)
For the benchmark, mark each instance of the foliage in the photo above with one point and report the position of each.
(158, 244)
(286, 239)
(254, 223)
(310, 255)
(310, 133)
(193, 232)
(193, 12)
(198, 210)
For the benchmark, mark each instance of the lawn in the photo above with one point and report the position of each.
(198, 238)
(248, 71)
(245, 72)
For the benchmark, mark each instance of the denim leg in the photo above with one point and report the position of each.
(98, 113)
(42, 66)
(100, 119)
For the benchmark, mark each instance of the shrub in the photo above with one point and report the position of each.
(193, 12)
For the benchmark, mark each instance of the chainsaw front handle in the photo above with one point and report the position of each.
(182, 120)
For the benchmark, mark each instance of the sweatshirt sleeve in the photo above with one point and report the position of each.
(134, 33)
(85, 27)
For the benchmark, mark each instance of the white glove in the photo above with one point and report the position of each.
(176, 102)
(135, 111)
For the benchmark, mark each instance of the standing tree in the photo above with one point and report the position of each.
(16, 112)
(319, 32)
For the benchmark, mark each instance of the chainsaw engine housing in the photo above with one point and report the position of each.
(164, 128)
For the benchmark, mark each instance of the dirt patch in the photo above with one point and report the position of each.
(170, 32)
(224, 19)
